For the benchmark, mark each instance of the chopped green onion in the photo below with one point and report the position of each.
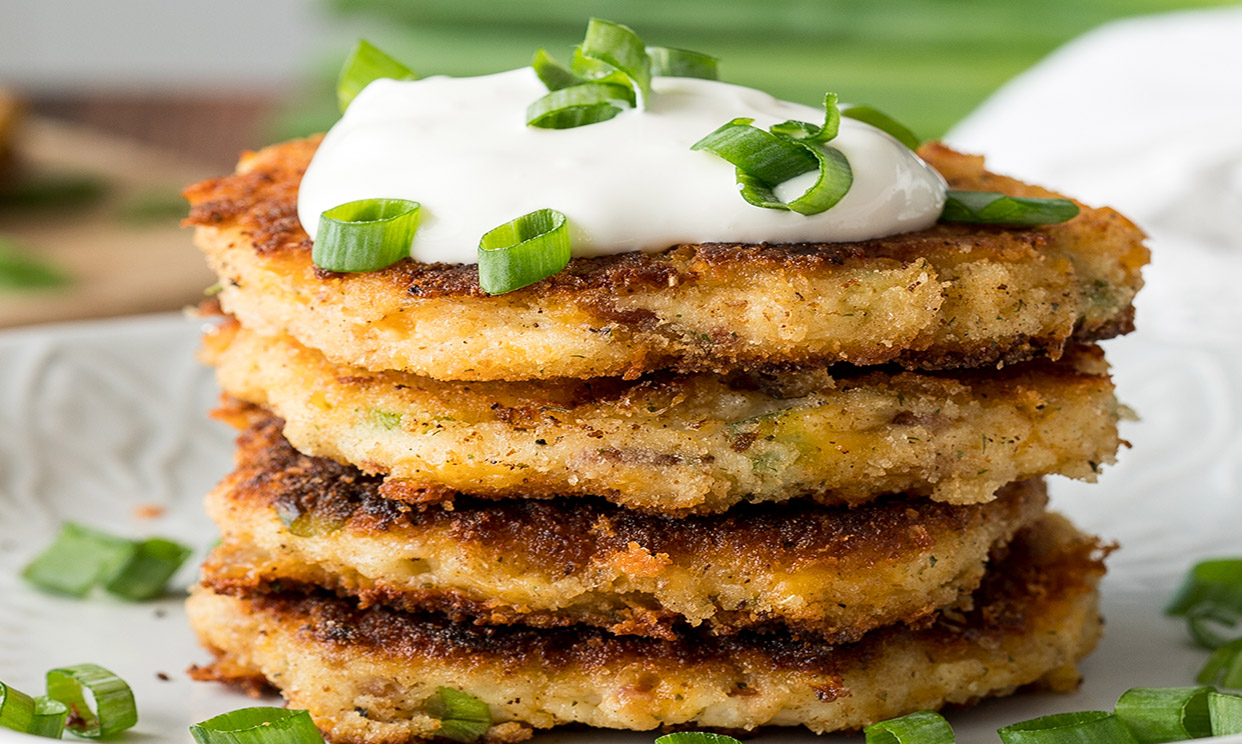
(17, 709)
(519, 253)
(764, 160)
(992, 208)
(306, 523)
(150, 567)
(1226, 713)
(1224, 667)
(809, 133)
(1085, 727)
(1160, 714)
(366, 235)
(463, 717)
(696, 737)
(552, 74)
(884, 123)
(579, 105)
(19, 270)
(619, 47)
(114, 701)
(77, 560)
(81, 558)
(1212, 626)
(1214, 582)
(759, 154)
(258, 726)
(364, 65)
(671, 62)
(922, 727)
(50, 717)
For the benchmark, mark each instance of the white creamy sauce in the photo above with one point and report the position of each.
(461, 148)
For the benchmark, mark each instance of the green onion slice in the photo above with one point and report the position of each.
(365, 64)
(805, 132)
(17, 709)
(762, 155)
(1226, 713)
(553, 74)
(81, 558)
(619, 47)
(992, 208)
(1214, 582)
(148, 570)
(78, 559)
(523, 251)
(366, 235)
(1085, 727)
(696, 737)
(579, 105)
(463, 717)
(1159, 714)
(1212, 626)
(672, 62)
(114, 701)
(258, 726)
(922, 727)
(1223, 667)
(49, 719)
(883, 122)
(764, 160)
(310, 523)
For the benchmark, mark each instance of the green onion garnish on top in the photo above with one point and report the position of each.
(114, 709)
(463, 717)
(1160, 714)
(883, 122)
(766, 159)
(620, 48)
(672, 62)
(365, 64)
(922, 727)
(992, 208)
(523, 251)
(258, 726)
(365, 235)
(610, 72)
(1085, 727)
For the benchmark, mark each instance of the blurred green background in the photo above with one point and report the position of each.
(926, 62)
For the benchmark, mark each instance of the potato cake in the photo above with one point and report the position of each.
(688, 443)
(946, 297)
(365, 675)
(286, 520)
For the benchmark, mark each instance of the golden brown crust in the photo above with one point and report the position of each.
(688, 443)
(1032, 619)
(827, 573)
(949, 296)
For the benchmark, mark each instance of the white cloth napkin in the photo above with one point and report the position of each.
(1145, 115)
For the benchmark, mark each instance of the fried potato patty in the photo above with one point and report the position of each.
(689, 443)
(288, 520)
(365, 675)
(950, 296)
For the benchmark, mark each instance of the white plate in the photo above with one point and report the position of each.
(101, 418)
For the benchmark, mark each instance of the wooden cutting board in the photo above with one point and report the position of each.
(117, 265)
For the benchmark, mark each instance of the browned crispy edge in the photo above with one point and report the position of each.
(262, 202)
(558, 536)
(1027, 581)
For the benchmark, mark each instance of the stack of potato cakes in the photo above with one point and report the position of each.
(718, 486)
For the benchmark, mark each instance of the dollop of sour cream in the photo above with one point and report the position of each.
(462, 149)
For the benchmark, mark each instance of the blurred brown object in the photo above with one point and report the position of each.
(120, 259)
